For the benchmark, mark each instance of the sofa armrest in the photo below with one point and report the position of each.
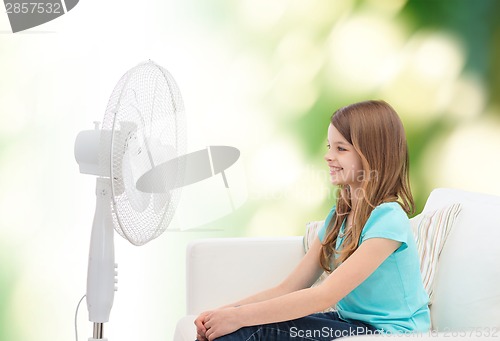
(223, 270)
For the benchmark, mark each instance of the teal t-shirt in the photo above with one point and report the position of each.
(392, 298)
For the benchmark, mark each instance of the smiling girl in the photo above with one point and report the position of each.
(366, 245)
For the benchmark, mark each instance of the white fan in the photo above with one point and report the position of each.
(143, 127)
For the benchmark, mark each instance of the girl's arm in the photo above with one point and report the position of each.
(361, 264)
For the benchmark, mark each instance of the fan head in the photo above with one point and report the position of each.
(143, 127)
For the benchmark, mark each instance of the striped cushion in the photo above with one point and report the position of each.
(312, 229)
(430, 231)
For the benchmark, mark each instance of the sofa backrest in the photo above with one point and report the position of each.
(220, 271)
(467, 282)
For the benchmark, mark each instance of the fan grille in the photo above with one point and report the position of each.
(145, 115)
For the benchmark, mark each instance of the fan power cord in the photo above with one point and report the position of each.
(76, 316)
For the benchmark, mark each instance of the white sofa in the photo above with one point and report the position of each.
(466, 286)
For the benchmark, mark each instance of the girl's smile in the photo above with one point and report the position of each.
(334, 169)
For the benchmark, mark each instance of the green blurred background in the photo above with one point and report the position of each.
(263, 76)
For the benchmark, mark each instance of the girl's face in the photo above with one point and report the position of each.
(343, 160)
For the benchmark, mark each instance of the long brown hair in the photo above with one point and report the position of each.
(377, 134)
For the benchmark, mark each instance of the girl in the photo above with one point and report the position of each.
(365, 245)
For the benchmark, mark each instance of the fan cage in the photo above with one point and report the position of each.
(145, 115)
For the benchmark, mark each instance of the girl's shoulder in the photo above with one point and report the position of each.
(387, 220)
(389, 212)
(389, 208)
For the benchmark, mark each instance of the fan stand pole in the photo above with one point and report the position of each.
(98, 331)
(101, 269)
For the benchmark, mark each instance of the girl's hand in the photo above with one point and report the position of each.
(221, 322)
(200, 327)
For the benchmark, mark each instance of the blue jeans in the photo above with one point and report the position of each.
(315, 327)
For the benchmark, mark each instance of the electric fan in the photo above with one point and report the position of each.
(143, 127)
